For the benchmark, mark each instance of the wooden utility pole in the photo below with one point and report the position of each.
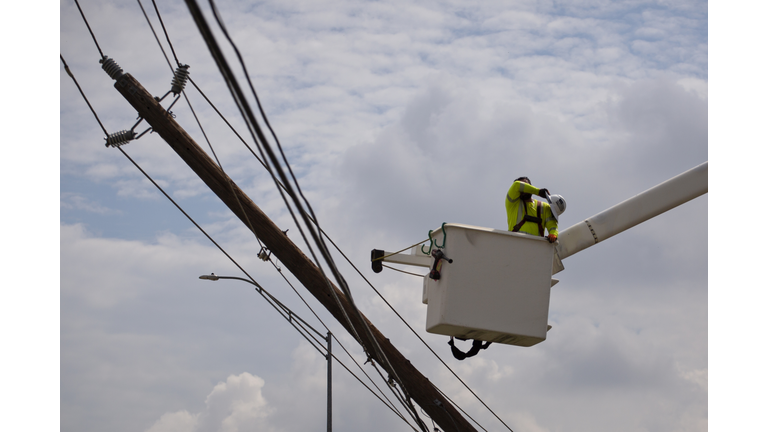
(417, 385)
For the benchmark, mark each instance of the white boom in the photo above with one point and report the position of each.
(638, 209)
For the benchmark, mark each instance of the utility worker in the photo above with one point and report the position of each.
(526, 215)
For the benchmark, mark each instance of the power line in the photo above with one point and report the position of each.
(276, 304)
(320, 243)
(101, 54)
(253, 126)
(202, 130)
(380, 355)
(155, 34)
(196, 118)
(256, 131)
(69, 72)
(261, 290)
(166, 33)
(264, 293)
(420, 338)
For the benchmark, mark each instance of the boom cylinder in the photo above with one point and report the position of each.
(638, 209)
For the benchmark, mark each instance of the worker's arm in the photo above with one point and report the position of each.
(550, 223)
(518, 188)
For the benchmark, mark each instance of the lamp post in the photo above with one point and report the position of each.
(327, 337)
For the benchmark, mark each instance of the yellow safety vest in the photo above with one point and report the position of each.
(517, 210)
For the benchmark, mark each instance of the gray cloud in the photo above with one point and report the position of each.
(396, 118)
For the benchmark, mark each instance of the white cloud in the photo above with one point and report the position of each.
(181, 421)
(73, 201)
(396, 117)
(234, 405)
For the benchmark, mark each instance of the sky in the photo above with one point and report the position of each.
(395, 118)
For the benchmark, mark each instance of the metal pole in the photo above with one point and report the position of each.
(330, 358)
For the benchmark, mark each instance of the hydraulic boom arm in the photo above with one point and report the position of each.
(638, 209)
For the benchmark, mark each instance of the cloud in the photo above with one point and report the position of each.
(74, 201)
(234, 405)
(395, 117)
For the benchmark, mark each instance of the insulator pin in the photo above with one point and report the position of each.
(179, 79)
(119, 138)
(111, 68)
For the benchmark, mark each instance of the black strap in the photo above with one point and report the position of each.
(477, 345)
(528, 218)
(538, 216)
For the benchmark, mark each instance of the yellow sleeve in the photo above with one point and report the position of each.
(519, 187)
(550, 223)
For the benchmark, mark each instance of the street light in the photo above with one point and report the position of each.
(262, 291)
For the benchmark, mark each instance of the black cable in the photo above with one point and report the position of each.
(322, 246)
(203, 131)
(89, 29)
(251, 123)
(230, 126)
(265, 294)
(69, 72)
(223, 66)
(261, 289)
(166, 33)
(155, 34)
(326, 327)
(420, 338)
(194, 114)
(369, 389)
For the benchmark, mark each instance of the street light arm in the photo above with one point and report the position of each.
(213, 277)
(328, 355)
(270, 298)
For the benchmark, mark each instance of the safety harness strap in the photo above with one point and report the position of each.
(528, 218)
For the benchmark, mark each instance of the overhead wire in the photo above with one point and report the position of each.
(269, 297)
(256, 131)
(274, 302)
(189, 103)
(160, 18)
(69, 72)
(254, 128)
(209, 143)
(277, 305)
(326, 327)
(418, 336)
(281, 188)
(242, 104)
(318, 239)
(101, 54)
(321, 245)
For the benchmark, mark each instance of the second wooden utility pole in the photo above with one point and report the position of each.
(417, 386)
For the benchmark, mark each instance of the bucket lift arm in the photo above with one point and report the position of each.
(636, 210)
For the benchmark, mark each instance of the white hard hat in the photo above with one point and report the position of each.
(557, 204)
